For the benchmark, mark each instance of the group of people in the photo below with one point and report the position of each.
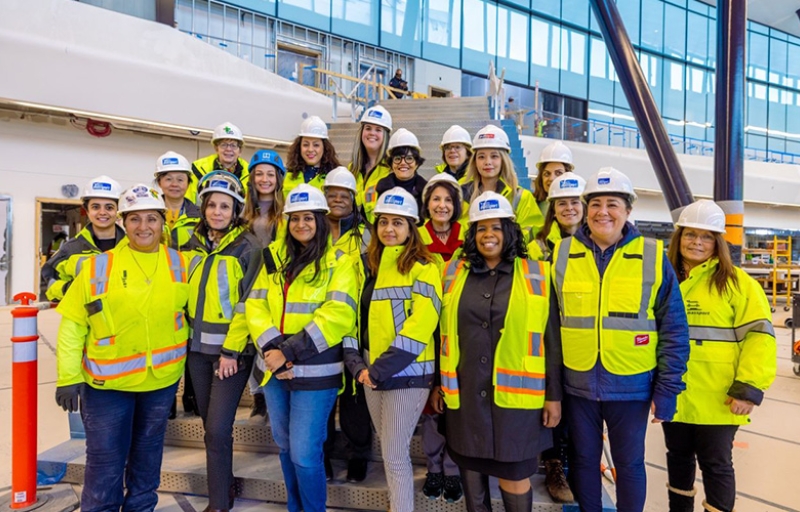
(391, 294)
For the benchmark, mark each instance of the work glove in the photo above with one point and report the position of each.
(68, 397)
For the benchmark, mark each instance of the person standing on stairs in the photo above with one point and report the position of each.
(732, 360)
(310, 157)
(443, 236)
(456, 149)
(100, 197)
(228, 142)
(491, 169)
(554, 160)
(300, 313)
(624, 336)
(349, 235)
(369, 151)
(263, 211)
(500, 359)
(121, 352)
(403, 154)
(225, 260)
(172, 176)
(395, 355)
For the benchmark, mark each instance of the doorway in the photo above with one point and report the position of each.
(438, 92)
(59, 220)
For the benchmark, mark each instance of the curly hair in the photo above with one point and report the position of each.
(513, 244)
(294, 157)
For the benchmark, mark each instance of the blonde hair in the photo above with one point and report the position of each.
(360, 157)
(507, 172)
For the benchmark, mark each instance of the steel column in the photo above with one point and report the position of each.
(729, 119)
(645, 111)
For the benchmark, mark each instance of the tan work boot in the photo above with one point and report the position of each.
(556, 482)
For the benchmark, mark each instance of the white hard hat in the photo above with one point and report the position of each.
(305, 198)
(140, 197)
(403, 138)
(490, 205)
(609, 181)
(440, 178)
(555, 152)
(102, 186)
(223, 182)
(568, 184)
(227, 131)
(341, 177)
(172, 162)
(379, 116)
(314, 127)
(456, 135)
(703, 214)
(396, 201)
(491, 137)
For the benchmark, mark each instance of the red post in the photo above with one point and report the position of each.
(24, 402)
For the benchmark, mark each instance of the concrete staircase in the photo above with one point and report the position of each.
(428, 119)
(257, 466)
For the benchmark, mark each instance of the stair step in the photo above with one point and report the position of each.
(183, 471)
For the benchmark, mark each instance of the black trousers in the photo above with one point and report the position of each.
(711, 447)
(217, 401)
(354, 420)
(562, 445)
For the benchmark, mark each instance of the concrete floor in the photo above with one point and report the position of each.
(765, 452)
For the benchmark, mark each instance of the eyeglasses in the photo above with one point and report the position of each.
(454, 147)
(409, 159)
(691, 236)
(228, 145)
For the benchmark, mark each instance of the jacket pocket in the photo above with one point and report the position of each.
(101, 324)
(577, 299)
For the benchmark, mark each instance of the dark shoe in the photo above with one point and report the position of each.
(356, 470)
(232, 492)
(173, 411)
(328, 470)
(681, 500)
(452, 489)
(434, 485)
(556, 482)
(259, 407)
(189, 405)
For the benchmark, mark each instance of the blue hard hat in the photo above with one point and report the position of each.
(267, 156)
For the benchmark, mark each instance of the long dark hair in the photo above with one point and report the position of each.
(298, 256)
(451, 191)
(294, 158)
(413, 251)
(725, 273)
(513, 244)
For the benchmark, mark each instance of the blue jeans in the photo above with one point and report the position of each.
(124, 436)
(627, 424)
(305, 415)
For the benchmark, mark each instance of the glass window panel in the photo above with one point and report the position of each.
(755, 141)
(400, 26)
(776, 144)
(311, 13)
(545, 54)
(652, 25)
(757, 27)
(629, 10)
(262, 6)
(698, 7)
(442, 41)
(573, 63)
(674, 31)
(698, 85)
(758, 58)
(184, 15)
(512, 44)
(356, 19)
(778, 52)
(680, 3)
(480, 36)
(697, 42)
(601, 88)
(673, 98)
(777, 110)
(756, 105)
(651, 67)
(712, 43)
(576, 12)
(522, 3)
(793, 64)
(793, 117)
(551, 7)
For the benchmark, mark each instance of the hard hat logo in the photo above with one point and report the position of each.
(491, 204)
(603, 181)
(218, 184)
(101, 186)
(154, 193)
(375, 113)
(140, 192)
(302, 197)
(169, 161)
(397, 200)
(228, 130)
(486, 136)
(568, 184)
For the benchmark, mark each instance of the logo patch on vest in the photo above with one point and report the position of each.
(641, 339)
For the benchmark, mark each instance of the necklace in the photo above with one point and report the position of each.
(147, 279)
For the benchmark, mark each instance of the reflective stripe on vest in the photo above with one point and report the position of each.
(115, 368)
(302, 308)
(101, 270)
(349, 342)
(317, 370)
(168, 355)
(737, 334)
(449, 382)
(427, 290)
(223, 285)
(511, 381)
(452, 270)
(79, 264)
(176, 268)
(342, 297)
(396, 295)
(195, 261)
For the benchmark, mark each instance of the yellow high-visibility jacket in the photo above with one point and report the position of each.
(539, 251)
(61, 269)
(519, 359)
(290, 183)
(733, 349)
(120, 332)
(523, 203)
(181, 233)
(367, 196)
(438, 258)
(205, 165)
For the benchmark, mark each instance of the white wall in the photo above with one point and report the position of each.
(68, 54)
(771, 191)
(429, 73)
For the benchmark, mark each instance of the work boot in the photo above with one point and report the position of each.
(556, 482)
(434, 485)
(328, 469)
(258, 411)
(517, 502)
(356, 470)
(173, 411)
(681, 500)
(189, 405)
(452, 489)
